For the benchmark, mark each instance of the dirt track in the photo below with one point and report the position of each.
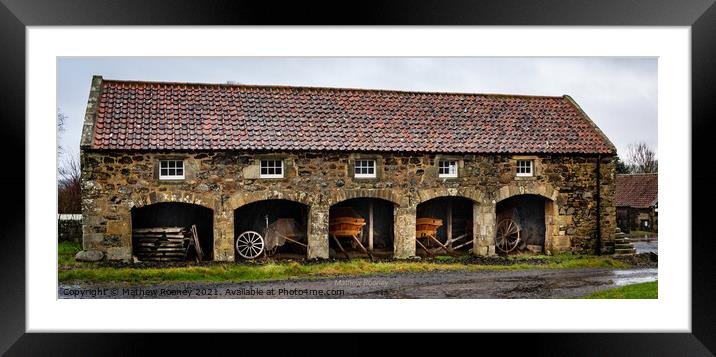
(516, 284)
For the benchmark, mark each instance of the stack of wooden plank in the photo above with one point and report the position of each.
(161, 243)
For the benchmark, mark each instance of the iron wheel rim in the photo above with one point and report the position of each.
(249, 245)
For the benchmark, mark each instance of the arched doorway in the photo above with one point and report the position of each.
(533, 215)
(175, 214)
(456, 216)
(376, 235)
(281, 224)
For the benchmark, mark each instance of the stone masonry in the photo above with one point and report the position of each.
(221, 132)
(115, 182)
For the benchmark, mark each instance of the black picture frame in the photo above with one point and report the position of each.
(15, 15)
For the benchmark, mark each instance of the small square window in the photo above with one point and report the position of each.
(447, 168)
(364, 169)
(171, 169)
(524, 168)
(271, 169)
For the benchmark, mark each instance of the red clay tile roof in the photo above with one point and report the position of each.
(637, 190)
(183, 116)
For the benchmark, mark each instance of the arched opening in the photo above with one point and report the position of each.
(281, 225)
(532, 216)
(361, 223)
(162, 231)
(452, 224)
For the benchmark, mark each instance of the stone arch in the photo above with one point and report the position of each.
(542, 189)
(390, 195)
(242, 199)
(173, 196)
(457, 211)
(280, 213)
(378, 209)
(207, 201)
(173, 211)
(470, 193)
(551, 209)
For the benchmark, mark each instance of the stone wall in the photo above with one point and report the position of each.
(115, 182)
(69, 229)
(631, 219)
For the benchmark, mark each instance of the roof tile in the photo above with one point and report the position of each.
(176, 116)
(637, 190)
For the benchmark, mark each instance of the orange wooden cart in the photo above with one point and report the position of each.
(344, 222)
(427, 229)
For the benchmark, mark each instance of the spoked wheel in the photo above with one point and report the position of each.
(249, 245)
(508, 236)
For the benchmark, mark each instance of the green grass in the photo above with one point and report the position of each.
(444, 258)
(230, 272)
(66, 253)
(588, 262)
(635, 291)
(573, 261)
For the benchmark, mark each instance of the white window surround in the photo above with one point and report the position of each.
(271, 169)
(364, 168)
(447, 168)
(525, 168)
(171, 169)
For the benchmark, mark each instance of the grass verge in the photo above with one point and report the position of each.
(648, 290)
(232, 272)
(66, 253)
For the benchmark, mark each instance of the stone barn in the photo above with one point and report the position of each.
(637, 199)
(232, 159)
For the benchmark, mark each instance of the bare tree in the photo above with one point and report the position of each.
(61, 118)
(69, 195)
(642, 158)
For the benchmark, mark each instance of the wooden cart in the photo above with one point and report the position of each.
(251, 244)
(427, 229)
(346, 223)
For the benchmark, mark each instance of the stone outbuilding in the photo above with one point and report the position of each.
(637, 201)
(229, 158)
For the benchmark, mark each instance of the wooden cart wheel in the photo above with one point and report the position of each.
(249, 245)
(507, 236)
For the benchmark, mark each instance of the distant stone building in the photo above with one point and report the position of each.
(637, 198)
(231, 158)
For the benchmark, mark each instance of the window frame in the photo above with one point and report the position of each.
(274, 175)
(525, 174)
(367, 175)
(168, 177)
(449, 167)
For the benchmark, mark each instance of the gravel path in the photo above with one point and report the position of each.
(516, 284)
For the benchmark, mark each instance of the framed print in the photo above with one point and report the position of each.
(474, 178)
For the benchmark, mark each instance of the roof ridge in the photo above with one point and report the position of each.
(345, 89)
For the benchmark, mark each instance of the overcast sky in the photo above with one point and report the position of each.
(619, 94)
